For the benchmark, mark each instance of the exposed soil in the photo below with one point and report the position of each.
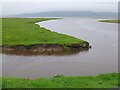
(43, 49)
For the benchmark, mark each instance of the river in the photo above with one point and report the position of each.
(101, 58)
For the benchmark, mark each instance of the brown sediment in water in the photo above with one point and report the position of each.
(43, 49)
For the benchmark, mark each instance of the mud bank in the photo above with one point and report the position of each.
(31, 53)
(44, 49)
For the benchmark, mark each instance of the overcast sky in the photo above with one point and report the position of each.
(19, 7)
(59, 0)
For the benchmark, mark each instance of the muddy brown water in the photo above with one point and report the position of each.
(102, 58)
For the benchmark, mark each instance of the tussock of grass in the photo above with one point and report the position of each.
(101, 81)
(24, 31)
(110, 21)
(67, 48)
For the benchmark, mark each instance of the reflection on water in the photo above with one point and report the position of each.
(32, 53)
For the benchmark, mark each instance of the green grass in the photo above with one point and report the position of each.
(24, 31)
(66, 48)
(101, 81)
(110, 21)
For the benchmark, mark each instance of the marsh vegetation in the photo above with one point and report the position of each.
(101, 81)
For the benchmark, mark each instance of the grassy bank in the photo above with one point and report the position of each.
(110, 21)
(24, 31)
(101, 81)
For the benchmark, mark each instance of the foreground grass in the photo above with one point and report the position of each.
(24, 31)
(101, 81)
(110, 21)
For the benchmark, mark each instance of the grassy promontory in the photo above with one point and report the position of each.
(110, 21)
(24, 32)
(101, 81)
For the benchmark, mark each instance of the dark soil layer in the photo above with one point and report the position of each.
(44, 49)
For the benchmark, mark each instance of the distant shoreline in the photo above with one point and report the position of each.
(110, 21)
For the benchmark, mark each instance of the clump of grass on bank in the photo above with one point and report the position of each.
(110, 21)
(67, 48)
(24, 31)
(101, 81)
